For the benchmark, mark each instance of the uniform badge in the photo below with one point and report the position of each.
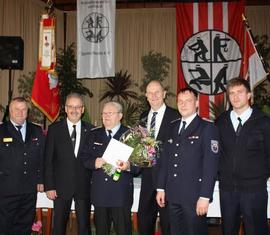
(7, 140)
(214, 146)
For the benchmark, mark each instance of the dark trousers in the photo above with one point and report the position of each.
(185, 221)
(251, 206)
(61, 215)
(17, 214)
(120, 216)
(147, 214)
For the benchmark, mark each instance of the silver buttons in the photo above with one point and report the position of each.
(106, 179)
(175, 154)
(175, 165)
(174, 175)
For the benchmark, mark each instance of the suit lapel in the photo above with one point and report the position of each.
(83, 135)
(163, 125)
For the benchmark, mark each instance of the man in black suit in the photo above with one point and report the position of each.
(188, 172)
(21, 176)
(112, 199)
(162, 115)
(65, 176)
(244, 164)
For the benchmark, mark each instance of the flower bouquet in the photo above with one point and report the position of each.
(146, 149)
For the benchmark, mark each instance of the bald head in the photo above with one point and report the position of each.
(155, 94)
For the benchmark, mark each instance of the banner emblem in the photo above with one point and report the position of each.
(95, 27)
(209, 59)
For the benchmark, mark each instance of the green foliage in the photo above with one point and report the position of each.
(118, 87)
(25, 84)
(156, 67)
(68, 82)
(262, 91)
(130, 113)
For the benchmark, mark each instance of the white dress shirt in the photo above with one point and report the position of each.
(159, 117)
(244, 117)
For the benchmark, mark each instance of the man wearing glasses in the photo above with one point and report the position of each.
(65, 176)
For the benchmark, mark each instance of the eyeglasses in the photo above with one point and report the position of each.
(74, 107)
(108, 113)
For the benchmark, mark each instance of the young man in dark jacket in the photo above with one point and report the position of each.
(244, 163)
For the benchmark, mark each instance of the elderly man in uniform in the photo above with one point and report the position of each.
(188, 168)
(112, 199)
(21, 157)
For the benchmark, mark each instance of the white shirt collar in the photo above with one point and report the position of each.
(114, 130)
(244, 116)
(188, 120)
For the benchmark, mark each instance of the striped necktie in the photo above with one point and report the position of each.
(153, 124)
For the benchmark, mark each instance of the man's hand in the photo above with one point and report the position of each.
(99, 162)
(40, 188)
(123, 166)
(202, 206)
(52, 195)
(160, 198)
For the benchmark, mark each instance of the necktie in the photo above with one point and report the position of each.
(73, 136)
(110, 134)
(182, 128)
(153, 124)
(19, 131)
(239, 127)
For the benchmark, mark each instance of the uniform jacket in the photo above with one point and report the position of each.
(20, 162)
(245, 161)
(63, 171)
(149, 175)
(189, 162)
(104, 191)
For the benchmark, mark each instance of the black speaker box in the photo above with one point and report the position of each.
(11, 52)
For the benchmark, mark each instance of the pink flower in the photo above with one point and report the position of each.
(37, 227)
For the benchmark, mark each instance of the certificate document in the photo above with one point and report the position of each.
(115, 151)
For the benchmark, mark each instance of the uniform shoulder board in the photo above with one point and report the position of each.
(175, 120)
(95, 128)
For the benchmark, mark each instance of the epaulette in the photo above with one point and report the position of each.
(95, 128)
(175, 120)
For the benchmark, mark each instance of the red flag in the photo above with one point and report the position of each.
(45, 92)
(210, 37)
(252, 65)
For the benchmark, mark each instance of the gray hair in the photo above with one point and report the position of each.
(116, 104)
(75, 95)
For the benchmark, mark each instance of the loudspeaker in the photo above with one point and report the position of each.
(11, 52)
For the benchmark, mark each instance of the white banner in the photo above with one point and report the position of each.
(95, 38)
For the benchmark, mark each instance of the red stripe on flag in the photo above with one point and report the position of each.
(184, 16)
(203, 25)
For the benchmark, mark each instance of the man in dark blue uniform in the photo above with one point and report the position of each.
(244, 163)
(21, 176)
(65, 176)
(156, 119)
(112, 199)
(188, 168)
